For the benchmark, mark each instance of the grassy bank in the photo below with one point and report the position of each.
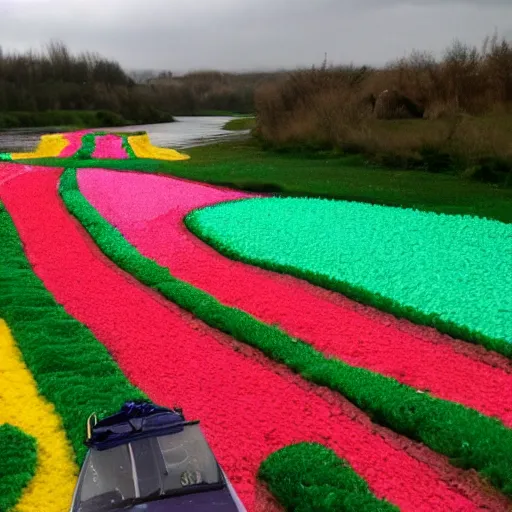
(240, 124)
(68, 118)
(474, 147)
(246, 165)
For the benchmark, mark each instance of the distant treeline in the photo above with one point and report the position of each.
(200, 92)
(54, 81)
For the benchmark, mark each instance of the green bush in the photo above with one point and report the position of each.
(311, 478)
(67, 118)
(18, 463)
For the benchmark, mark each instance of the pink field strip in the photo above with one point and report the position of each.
(248, 406)
(75, 143)
(148, 210)
(109, 146)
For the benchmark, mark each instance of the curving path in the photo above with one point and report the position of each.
(149, 212)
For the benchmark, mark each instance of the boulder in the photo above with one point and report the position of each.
(393, 105)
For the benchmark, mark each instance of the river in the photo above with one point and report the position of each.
(185, 132)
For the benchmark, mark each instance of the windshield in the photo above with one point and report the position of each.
(147, 469)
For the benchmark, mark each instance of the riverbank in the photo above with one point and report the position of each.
(73, 119)
(241, 124)
(475, 147)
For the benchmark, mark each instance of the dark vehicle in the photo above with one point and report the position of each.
(150, 459)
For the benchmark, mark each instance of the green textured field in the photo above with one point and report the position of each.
(245, 165)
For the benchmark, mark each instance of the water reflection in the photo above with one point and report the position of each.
(187, 132)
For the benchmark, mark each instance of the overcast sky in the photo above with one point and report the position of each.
(180, 35)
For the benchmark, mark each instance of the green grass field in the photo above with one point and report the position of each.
(245, 165)
(241, 123)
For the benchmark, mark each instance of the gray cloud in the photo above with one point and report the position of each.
(245, 34)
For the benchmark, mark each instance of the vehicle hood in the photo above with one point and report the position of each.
(211, 501)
